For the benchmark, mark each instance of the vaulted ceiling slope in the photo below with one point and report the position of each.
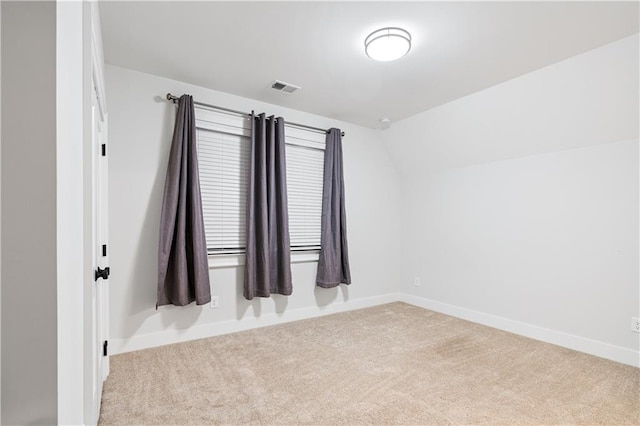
(458, 48)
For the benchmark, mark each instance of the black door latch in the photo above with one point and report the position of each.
(102, 273)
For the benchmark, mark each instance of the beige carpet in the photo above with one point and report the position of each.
(391, 364)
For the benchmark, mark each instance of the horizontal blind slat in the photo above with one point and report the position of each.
(304, 190)
(223, 161)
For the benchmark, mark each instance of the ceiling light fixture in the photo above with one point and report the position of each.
(387, 44)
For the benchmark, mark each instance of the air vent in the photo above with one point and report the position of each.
(281, 86)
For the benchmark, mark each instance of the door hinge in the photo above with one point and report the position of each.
(104, 150)
(104, 348)
(101, 273)
(104, 250)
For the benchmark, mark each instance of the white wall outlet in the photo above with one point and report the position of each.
(635, 324)
(416, 282)
(214, 302)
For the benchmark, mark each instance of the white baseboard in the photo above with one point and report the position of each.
(570, 341)
(167, 337)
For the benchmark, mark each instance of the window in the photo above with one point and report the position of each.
(223, 159)
(305, 169)
(223, 163)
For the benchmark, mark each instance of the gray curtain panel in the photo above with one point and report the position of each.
(183, 270)
(333, 264)
(268, 252)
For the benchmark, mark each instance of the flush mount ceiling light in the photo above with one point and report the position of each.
(387, 44)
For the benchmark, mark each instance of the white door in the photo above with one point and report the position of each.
(102, 223)
(96, 331)
(96, 246)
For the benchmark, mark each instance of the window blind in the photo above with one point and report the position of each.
(223, 159)
(304, 191)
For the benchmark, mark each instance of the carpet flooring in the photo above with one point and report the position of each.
(390, 364)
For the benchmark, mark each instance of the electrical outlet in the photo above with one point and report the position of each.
(635, 324)
(416, 281)
(214, 302)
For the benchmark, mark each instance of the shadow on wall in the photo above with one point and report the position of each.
(280, 301)
(326, 296)
(323, 297)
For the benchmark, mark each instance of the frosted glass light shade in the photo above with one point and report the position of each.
(387, 44)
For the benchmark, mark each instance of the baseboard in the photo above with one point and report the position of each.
(167, 337)
(581, 344)
(570, 341)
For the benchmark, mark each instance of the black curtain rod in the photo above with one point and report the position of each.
(174, 99)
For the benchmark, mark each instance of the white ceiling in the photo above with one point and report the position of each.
(458, 48)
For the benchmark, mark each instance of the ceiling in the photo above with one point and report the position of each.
(458, 48)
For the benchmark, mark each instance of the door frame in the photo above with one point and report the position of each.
(79, 61)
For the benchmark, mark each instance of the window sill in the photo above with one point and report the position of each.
(238, 259)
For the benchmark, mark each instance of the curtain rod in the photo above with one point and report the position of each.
(174, 99)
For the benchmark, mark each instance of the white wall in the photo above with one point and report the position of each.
(585, 100)
(29, 335)
(140, 128)
(521, 203)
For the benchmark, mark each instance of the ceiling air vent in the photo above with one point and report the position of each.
(281, 86)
